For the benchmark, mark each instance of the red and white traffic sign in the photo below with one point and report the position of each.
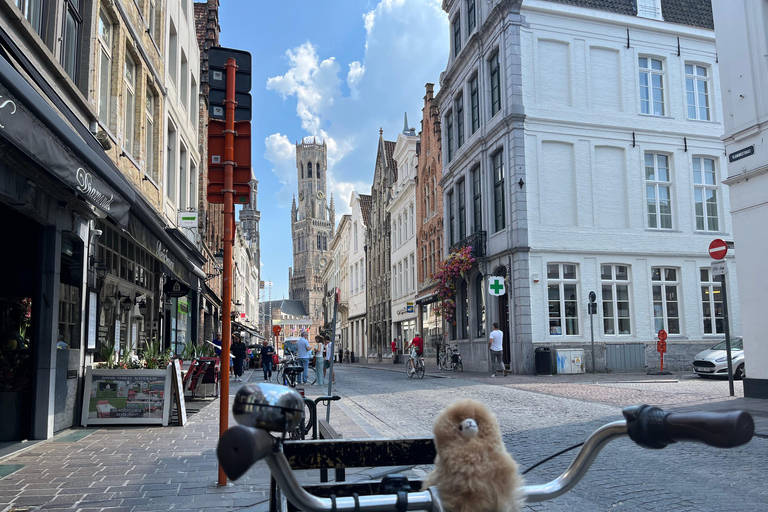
(662, 335)
(718, 249)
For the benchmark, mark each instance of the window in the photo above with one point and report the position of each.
(130, 105)
(456, 36)
(562, 292)
(459, 108)
(406, 284)
(711, 303)
(666, 312)
(451, 219)
(498, 189)
(658, 187)
(185, 7)
(319, 242)
(173, 48)
(413, 272)
(495, 84)
(362, 276)
(355, 235)
(309, 169)
(477, 201)
(413, 222)
(474, 102)
(471, 20)
(170, 188)
(464, 302)
(705, 194)
(149, 134)
(615, 293)
(183, 178)
(105, 64)
(33, 11)
(152, 19)
(400, 279)
(184, 85)
(426, 201)
(449, 134)
(649, 9)
(71, 37)
(399, 231)
(697, 92)
(651, 86)
(480, 305)
(405, 226)
(192, 205)
(462, 211)
(193, 100)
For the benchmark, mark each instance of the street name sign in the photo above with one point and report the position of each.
(496, 285)
(719, 268)
(742, 153)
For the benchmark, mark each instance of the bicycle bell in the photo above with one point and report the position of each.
(268, 406)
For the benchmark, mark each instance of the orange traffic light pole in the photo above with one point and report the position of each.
(228, 241)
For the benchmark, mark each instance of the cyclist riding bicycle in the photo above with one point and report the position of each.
(417, 348)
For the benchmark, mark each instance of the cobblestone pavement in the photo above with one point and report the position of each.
(173, 468)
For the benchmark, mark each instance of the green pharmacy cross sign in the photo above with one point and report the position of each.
(496, 285)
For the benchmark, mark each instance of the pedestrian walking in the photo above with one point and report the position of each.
(302, 354)
(394, 350)
(328, 356)
(240, 351)
(496, 346)
(267, 351)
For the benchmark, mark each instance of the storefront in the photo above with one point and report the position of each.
(430, 324)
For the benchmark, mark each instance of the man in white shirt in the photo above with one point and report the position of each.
(302, 354)
(497, 349)
(328, 356)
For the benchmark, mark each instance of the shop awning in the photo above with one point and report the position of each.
(249, 330)
(427, 299)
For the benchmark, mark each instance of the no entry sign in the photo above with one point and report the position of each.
(718, 248)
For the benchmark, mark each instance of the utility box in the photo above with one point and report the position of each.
(570, 361)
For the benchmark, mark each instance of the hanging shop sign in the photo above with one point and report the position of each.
(30, 135)
(175, 288)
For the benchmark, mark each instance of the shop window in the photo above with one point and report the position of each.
(562, 292)
(480, 307)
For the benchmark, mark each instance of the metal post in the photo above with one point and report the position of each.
(727, 333)
(592, 311)
(333, 341)
(228, 240)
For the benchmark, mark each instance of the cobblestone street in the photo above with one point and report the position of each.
(173, 468)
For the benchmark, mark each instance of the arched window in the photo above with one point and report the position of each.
(317, 168)
(480, 306)
(301, 169)
(464, 298)
(309, 169)
(319, 242)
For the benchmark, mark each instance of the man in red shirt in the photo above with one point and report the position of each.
(417, 344)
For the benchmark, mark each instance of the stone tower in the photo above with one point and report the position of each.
(249, 220)
(312, 229)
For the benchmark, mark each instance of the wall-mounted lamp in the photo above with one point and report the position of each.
(125, 300)
(143, 307)
(219, 256)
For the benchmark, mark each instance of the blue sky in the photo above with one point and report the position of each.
(338, 70)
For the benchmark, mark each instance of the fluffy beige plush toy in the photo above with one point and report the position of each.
(473, 470)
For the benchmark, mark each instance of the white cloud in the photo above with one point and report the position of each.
(314, 83)
(282, 154)
(356, 72)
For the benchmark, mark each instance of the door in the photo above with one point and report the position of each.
(504, 325)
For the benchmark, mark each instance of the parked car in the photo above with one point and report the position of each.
(715, 360)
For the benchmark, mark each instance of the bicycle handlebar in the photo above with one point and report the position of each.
(241, 446)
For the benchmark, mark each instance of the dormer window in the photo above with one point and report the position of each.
(649, 9)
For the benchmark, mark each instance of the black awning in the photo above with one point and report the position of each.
(31, 136)
(246, 328)
(427, 299)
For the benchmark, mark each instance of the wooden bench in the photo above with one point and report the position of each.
(326, 431)
(353, 453)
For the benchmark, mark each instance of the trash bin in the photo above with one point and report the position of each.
(543, 364)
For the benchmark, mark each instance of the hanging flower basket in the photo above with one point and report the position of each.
(457, 264)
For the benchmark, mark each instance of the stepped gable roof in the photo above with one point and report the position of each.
(365, 208)
(695, 13)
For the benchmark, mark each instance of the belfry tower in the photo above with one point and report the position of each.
(313, 224)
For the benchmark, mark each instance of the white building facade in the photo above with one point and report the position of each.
(402, 210)
(583, 146)
(180, 149)
(741, 42)
(360, 204)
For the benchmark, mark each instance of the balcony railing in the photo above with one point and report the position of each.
(476, 241)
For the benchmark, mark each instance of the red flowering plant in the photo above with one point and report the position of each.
(457, 264)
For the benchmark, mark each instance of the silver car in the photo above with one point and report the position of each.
(715, 361)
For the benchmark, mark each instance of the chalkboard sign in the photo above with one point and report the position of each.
(178, 392)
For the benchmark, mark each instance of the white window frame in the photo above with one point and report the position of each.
(183, 203)
(184, 82)
(560, 282)
(150, 168)
(711, 290)
(650, 9)
(129, 118)
(171, 182)
(406, 281)
(695, 99)
(105, 66)
(614, 283)
(173, 53)
(704, 184)
(661, 304)
(655, 188)
(646, 70)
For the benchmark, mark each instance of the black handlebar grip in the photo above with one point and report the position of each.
(240, 448)
(651, 427)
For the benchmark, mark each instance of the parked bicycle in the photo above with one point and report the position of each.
(262, 408)
(417, 369)
(289, 371)
(451, 359)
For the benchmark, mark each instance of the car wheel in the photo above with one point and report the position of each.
(740, 373)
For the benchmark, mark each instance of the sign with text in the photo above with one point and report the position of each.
(719, 268)
(742, 153)
(178, 392)
(122, 397)
(496, 285)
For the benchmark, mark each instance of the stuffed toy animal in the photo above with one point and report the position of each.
(473, 470)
